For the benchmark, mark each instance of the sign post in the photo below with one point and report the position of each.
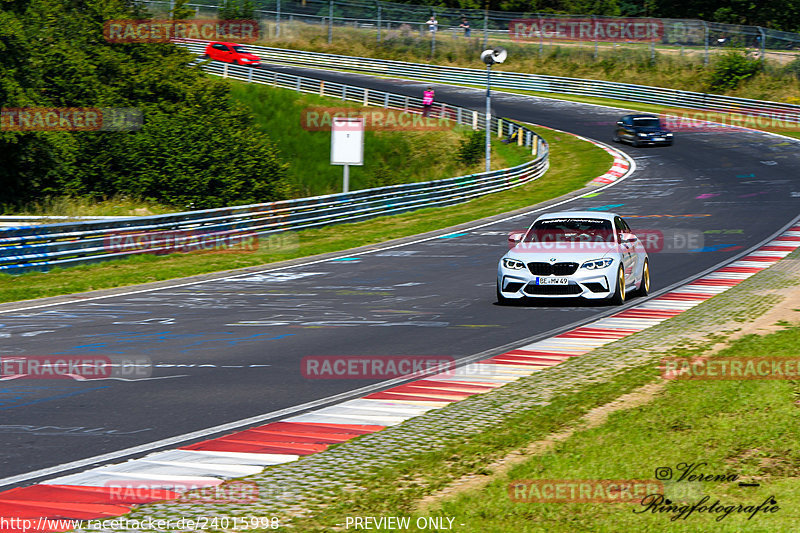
(347, 145)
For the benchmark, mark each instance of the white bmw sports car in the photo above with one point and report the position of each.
(588, 254)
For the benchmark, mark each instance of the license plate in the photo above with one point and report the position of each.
(658, 138)
(552, 281)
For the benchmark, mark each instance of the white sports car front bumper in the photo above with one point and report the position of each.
(537, 281)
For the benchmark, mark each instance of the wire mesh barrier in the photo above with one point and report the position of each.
(44, 247)
(538, 28)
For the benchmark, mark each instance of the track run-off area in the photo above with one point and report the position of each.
(227, 353)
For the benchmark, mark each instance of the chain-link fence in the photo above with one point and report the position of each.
(537, 29)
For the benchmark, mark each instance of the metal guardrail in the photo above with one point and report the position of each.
(675, 98)
(44, 247)
(380, 15)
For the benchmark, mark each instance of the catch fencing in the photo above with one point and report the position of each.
(386, 19)
(43, 247)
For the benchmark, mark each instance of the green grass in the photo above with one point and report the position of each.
(627, 64)
(573, 163)
(390, 157)
(72, 207)
(748, 428)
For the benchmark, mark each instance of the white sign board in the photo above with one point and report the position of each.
(347, 141)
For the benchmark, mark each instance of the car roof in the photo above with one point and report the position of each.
(643, 116)
(224, 42)
(599, 215)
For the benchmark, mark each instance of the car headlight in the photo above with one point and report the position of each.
(595, 264)
(513, 264)
(669, 135)
(642, 135)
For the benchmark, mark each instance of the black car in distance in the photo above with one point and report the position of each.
(642, 129)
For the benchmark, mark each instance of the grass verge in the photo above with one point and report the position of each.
(573, 163)
(390, 157)
(773, 79)
(745, 428)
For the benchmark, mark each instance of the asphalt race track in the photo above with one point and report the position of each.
(230, 349)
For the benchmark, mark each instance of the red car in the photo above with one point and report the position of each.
(232, 53)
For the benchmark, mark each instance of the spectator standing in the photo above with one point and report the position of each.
(427, 101)
(432, 24)
(465, 25)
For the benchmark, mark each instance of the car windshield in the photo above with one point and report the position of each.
(240, 50)
(571, 230)
(647, 122)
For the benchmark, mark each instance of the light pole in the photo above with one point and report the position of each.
(490, 57)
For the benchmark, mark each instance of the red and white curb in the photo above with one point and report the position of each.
(92, 494)
(621, 167)
(617, 170)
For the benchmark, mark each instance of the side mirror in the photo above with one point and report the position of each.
(628, 237)
(619, 123)
(516, 237)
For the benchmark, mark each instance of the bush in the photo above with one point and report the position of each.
(731, 69)
(793, 67)
(196, 147)
(471, 149)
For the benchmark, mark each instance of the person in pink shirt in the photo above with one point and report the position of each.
(427, 101)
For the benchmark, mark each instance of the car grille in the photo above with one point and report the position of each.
(552, 290)
(513, 286)
(557, 269)
(596, 287)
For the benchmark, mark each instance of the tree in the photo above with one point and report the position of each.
(189, 151)
(181, 10)
(237, 10)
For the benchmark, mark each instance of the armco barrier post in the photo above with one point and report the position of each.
(541, 37)
(330, 21)
(378, 21)
(278, 19)
(486, 28)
